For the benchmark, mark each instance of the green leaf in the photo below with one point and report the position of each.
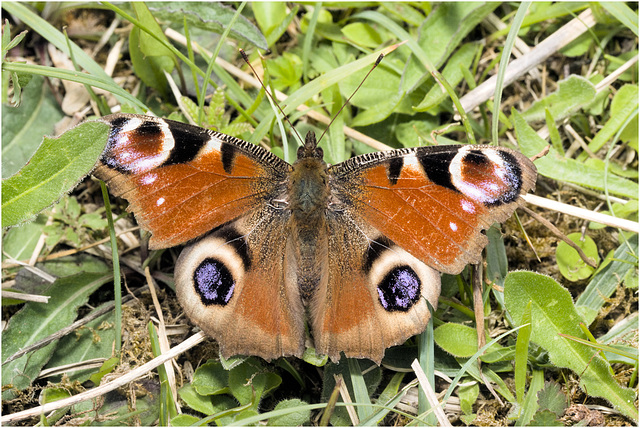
(552, 398)
(36, 321)
(573, 93)
(211, 379)
(53, 170)
(605, 282)
(295, 418)
(184, 420)
(362, 34)
(209, 16)
(249, 378)
(24, 126)
(545, 418)
(149, 57)
(557, 167)
(459, 340)
(569, 261)
(468, 395)
(20, 242)
(286, 71)
(198, 402)
(269, 15)
(552, 313)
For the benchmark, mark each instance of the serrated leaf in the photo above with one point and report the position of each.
(36, 321)
(552, 313)
(552, 398)
(53, 170)
(545, 418)
(24, 126)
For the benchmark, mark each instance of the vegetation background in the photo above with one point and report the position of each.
(561, 330)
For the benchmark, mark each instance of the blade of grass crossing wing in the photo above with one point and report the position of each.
(117, 289)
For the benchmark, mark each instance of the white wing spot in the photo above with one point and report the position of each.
(453, 226)
(149, 178)
(468, 206)
(160, 201)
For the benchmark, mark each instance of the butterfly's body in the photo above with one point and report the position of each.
(355, 249)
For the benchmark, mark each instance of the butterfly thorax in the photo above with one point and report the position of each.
(308, 199)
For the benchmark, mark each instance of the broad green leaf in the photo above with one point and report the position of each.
(362, 34)
(252, 377)
(36, 321)
(20, 242)
(210, 16)
(184, 420)
(605, 282)
(573, 93)
(24, 126)
(149, 57)
(560, 168)
(198, 402)
(459, 340)
(53, 170)
(211, 379)
(269, 15)
(295, 418)
(571, 265)
(552, 313)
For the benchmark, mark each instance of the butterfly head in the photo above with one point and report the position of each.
(310, 148)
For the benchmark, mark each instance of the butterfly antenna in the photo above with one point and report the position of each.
(349, 99)
(246, 59)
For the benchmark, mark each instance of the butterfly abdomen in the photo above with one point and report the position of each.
(308, 199)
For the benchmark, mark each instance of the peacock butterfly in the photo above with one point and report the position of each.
(354, 249)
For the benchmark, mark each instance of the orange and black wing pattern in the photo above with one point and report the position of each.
(434, 201)
(182, 181)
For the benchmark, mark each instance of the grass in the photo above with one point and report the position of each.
(580, 97)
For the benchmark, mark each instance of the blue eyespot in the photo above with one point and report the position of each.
(400, 289)
(213, 282)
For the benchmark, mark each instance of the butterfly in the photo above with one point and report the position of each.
(353, 249)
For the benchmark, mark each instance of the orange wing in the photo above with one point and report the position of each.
(434, 201)
(181, 181)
